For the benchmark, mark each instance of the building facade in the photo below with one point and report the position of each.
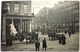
(19, 13)
(67, 14)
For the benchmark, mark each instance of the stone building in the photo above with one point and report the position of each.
(66, 14)
(19, 13)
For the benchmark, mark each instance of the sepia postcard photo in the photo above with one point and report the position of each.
(39, 25)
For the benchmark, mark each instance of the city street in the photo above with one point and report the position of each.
(25, 22)
(72, 44)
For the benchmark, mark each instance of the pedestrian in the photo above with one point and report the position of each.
(44, 43)
(7, 41)
(11, 40)
(59, 39)
(63, 39)
(49, 35)
(37, 45)
(69, 33)
(65, 31)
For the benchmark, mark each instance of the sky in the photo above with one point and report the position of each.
(39, 4)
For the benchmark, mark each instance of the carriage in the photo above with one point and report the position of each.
(54, 35)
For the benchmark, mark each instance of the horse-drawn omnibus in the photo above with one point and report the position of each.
(54, 34)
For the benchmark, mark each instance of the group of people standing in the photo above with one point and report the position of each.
(62, 39)
(44, 44)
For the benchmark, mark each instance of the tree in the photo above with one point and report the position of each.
(43, 16)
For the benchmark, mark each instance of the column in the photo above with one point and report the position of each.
(30, 26)
(21, 25)
(25, 26)
(4, 29)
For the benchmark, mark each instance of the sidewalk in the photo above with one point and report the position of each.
(16, 42)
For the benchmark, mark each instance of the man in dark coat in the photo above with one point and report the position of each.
(49, 34)
(59, 39)
(7, 41)
(65, 31)
(44, 44)
(69, 33)
(37, 45)
(63, 39)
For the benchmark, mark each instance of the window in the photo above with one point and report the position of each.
(16, 8)
(25, 8)
(8, 6)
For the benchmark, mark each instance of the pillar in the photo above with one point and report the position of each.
(25, 26)
(20, 25)
(4, 28)
(30, 26)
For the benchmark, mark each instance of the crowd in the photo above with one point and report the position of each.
(20, 37)
(62, 40)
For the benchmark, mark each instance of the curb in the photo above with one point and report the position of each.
(4, 43)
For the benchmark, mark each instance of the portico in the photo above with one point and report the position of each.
(21, 24)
